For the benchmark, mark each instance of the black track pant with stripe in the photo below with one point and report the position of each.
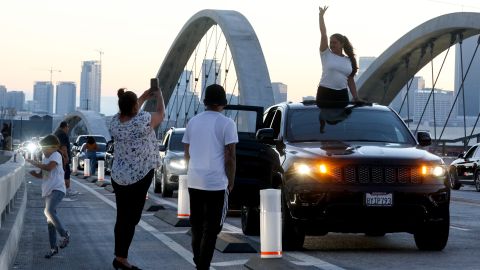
(208, 210)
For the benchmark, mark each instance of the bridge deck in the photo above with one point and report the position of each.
(90, 219)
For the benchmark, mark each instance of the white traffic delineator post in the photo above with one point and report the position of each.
(74, 164)
(86, 167)
(101, 170)
(183, 211)
(270, 223)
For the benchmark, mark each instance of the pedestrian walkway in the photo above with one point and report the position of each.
(90, 218)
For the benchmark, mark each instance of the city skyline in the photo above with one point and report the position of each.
(134, 46)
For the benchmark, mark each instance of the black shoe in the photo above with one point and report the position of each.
(52, 252)
(119, 265)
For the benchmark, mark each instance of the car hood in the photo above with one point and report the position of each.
(380, 153)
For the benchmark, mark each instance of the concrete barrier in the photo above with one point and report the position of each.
(12, 178)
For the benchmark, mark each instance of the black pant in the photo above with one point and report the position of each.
(331, 98)
(130, 201)
(208, 210)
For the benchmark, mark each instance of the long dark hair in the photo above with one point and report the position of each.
(348, 48)
(126, 102)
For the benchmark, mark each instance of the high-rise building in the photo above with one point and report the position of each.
(211, 73)
(279, 92)
(363, 63)
(405, 106)
(16, 100)
(471, 86)
(443, 104)
(43, 95)
(65, 98)
(3, 96)
(90, 81)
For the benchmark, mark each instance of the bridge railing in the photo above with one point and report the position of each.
(12, 190)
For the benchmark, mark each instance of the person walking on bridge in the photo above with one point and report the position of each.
(136, 157)
(53, 190)
(209, 141)
(338, 69)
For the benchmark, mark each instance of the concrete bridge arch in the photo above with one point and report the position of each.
(87, 122)
(254, 83)
(386, 76)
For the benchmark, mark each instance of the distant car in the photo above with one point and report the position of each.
(109, 157)
(81, 139)
(102, 147)
(465, 169)
(173, 163)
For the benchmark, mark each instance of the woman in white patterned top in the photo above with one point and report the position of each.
(136, 157)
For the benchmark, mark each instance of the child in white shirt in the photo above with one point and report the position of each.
(53, 190)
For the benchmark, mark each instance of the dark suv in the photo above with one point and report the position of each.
(357, 169)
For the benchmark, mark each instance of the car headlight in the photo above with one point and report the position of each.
(435, 170)
(31, 147)
(306, 168)
(178, 164)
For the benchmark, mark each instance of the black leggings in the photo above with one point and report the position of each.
(130, 201)
(331, 98)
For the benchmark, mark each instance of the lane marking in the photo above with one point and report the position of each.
(226, 225)
(314, 261)
(230, 263)
(459, 228)
(177, 248)
(302, 257)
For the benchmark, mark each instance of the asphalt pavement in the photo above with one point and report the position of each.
(90, 218)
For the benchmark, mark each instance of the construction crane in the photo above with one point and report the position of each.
(51, 70)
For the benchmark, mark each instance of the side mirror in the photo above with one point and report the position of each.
(424, 138)
(265, 135)
(162, 147)
(75, 144)
(461, 155)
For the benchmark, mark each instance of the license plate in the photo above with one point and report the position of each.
(380, 199)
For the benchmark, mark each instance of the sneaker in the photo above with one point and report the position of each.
(52, 252)
(64, 242)
(73, 192)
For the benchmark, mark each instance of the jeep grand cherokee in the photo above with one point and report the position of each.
(357, 169)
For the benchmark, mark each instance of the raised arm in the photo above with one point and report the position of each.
(157, 117)
(323, 28)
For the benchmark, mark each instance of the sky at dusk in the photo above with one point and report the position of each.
(136, 35)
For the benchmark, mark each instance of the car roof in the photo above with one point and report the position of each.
(310, 104)
(177, 130)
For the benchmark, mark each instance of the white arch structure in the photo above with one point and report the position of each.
(386, 76)
(94, 122)
(254, 83)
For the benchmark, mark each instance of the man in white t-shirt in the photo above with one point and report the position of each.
(209, 139)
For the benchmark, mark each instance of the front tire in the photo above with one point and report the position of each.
(167, 192)
(453, 180)
(157, 186)
(477, 181)
(293, 235)
(250, 216)
(433, 236)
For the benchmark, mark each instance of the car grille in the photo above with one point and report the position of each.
(376, 175)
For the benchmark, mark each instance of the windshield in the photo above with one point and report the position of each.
(355, 125)
(98, 139)
(176, 142)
